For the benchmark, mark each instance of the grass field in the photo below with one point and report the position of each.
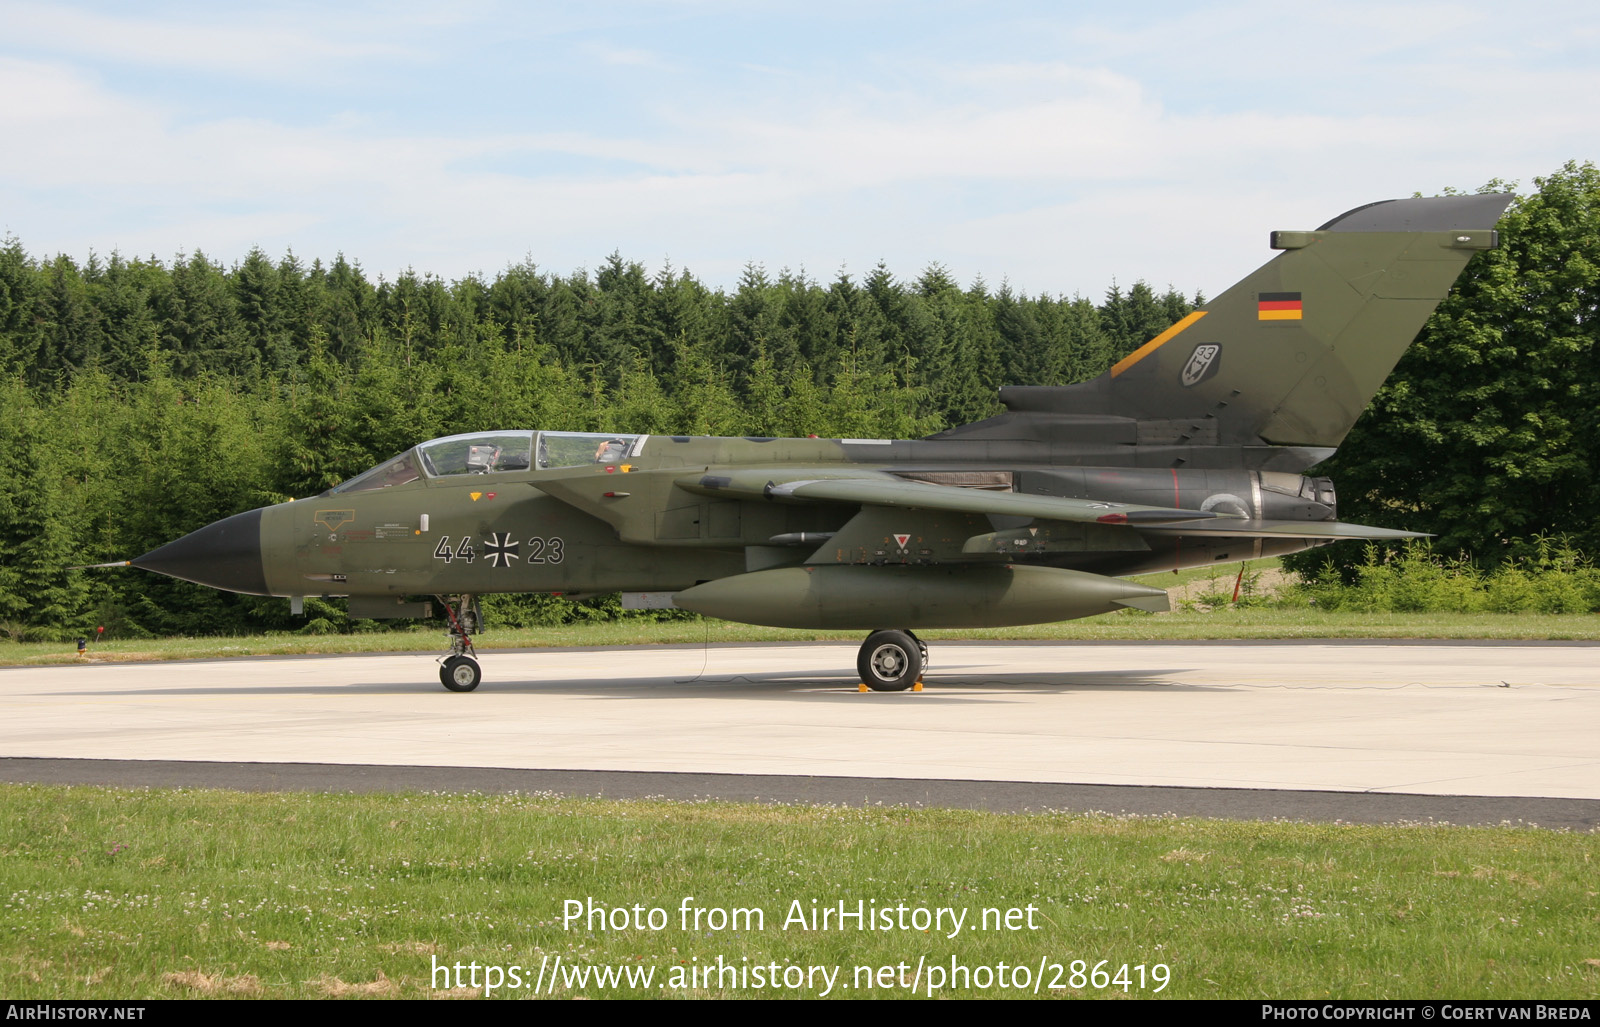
(140, 894)
(176, 894)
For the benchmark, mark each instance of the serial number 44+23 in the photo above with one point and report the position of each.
(499, 548)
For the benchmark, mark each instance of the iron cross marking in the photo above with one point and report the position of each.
(500, 549)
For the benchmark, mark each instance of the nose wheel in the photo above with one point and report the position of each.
(459, 671)
(891, 661)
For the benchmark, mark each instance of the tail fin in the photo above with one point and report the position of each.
(1292, 354)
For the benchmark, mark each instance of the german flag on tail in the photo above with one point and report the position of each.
(1278, 306)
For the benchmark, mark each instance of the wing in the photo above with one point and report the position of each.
(814, 485)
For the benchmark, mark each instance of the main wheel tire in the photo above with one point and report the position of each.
(460, 673)
(889, 661)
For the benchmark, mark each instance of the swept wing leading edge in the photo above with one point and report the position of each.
(886, 490)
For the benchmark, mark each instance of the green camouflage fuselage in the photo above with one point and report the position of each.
(1188, 452)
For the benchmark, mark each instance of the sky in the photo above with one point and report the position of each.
(1055, 146)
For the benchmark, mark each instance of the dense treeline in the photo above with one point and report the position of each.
(259, 323)
(141, 400)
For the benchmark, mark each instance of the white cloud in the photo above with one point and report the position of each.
(632, 58)
(263, 47)
(1057, 174)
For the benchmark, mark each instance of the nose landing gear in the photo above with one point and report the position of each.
(891, 661)
(459, 671)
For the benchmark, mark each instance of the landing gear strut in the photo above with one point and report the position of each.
(459, 671)
(891, 661)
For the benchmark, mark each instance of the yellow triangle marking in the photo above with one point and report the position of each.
(475, 495)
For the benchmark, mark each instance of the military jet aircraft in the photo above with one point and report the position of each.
(1188, 452)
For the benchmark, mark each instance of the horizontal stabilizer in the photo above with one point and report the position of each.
(1255, 528)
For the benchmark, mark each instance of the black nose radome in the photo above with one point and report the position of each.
(225, 555)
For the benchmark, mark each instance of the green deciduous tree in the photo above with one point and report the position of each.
(1488, 431)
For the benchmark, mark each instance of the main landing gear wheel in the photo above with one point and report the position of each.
(891, 661)
(460, 673)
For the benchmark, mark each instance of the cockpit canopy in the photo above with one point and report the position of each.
(576, 448)
(496, 452)
(482, 453)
